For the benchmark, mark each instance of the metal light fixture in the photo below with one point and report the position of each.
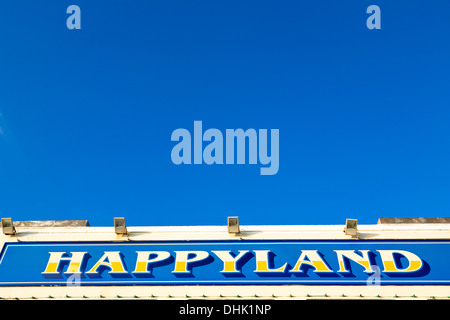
(8, 226)
(233, 225)
(119, 226)
(351, 227)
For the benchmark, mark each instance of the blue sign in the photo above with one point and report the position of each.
(317, 262)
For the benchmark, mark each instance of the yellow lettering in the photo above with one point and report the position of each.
(229, 262)
(143, 259)
(182, 260)
(362, 260)
(387, 256)
(314, 260)
(262, 262)
(56, 257)
(110, 259)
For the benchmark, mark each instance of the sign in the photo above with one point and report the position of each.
(316, 262)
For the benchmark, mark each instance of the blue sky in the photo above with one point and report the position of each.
(87, 115)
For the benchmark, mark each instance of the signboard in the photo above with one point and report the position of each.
(317, 262)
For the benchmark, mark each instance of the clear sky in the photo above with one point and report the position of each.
(87, 115)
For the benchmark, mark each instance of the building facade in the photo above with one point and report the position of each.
(393, 259)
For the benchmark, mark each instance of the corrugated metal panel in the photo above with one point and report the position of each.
(51, 223)
(412, 220)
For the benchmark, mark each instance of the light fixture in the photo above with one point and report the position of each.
(8, 226)
(119, 226)
(233, 225)
(351, 227)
